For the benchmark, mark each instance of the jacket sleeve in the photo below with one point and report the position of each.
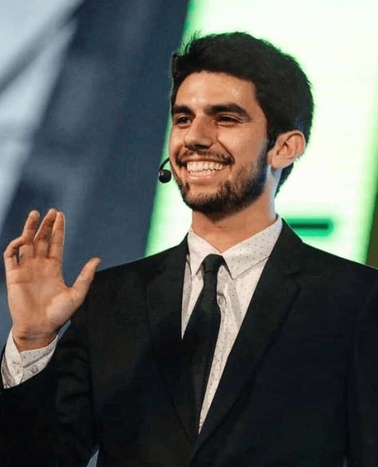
(363, 388)
(48, 420)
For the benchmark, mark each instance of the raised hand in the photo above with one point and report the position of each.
(40, 302)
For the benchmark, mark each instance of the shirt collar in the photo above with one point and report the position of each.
(238, 258)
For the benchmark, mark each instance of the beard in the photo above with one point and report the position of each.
(231, 197)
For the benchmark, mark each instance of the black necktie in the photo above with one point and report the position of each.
(202, 331)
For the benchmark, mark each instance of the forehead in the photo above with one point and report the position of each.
(207, 87)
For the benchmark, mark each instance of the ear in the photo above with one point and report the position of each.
(289, 146)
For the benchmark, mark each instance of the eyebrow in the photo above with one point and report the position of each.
(228, 107)
(181, 109)
(214, 109)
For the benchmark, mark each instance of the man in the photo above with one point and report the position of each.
(279, 370)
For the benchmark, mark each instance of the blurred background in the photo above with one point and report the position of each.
(84, 88)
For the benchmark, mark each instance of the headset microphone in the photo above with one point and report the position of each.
(164, 174)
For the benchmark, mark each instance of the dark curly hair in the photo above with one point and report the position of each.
(282, 88)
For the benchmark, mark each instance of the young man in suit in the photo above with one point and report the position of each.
(278, 367)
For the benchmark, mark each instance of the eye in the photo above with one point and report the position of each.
(228, 120)
(182, 120)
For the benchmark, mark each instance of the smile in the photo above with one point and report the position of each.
(204, 166)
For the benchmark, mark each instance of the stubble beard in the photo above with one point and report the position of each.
(231, 197)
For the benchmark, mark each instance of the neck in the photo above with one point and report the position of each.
(225, 232)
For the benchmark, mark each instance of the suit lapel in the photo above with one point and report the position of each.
(269, 306)
(164, 303)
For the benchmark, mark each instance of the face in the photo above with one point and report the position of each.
(218, 143)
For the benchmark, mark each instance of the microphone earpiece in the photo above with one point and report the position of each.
(164, 174)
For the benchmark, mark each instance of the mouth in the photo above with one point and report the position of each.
(204, 164)
(204, 167)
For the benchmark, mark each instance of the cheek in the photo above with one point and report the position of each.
(170, 150)
(173, 143)
(241, 144)
(248, 150)
(242, 151)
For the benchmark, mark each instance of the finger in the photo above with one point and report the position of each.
(57, 238)
(26, 249)
(43, 235)
(84, 280)
(11, 253)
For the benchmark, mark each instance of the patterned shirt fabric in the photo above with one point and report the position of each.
(237, 281)
(18, 367)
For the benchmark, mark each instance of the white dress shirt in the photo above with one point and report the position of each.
(236, 285)
(237, 281)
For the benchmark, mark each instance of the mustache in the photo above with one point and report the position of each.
(211, 156)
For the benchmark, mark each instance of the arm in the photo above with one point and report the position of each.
(35, 432)
(48, 419)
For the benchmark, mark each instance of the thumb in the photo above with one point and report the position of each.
(81, 286)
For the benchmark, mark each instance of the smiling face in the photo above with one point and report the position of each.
(218, 143)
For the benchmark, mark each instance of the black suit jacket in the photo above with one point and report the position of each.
(300, 388)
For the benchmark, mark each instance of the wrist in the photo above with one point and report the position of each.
(31, 341)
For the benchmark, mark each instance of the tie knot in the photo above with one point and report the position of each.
(212, 263)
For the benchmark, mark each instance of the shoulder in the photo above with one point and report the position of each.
(320, 259)
(136, 272)
(125, 285)
(317, 263)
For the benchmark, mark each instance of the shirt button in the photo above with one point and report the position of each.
(220, 301)
(34, 369)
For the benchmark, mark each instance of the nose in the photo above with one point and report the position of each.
(200, 135)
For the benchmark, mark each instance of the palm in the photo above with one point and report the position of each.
(37, 291)
(39, 300)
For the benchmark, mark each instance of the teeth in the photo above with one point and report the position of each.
(204, 166)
